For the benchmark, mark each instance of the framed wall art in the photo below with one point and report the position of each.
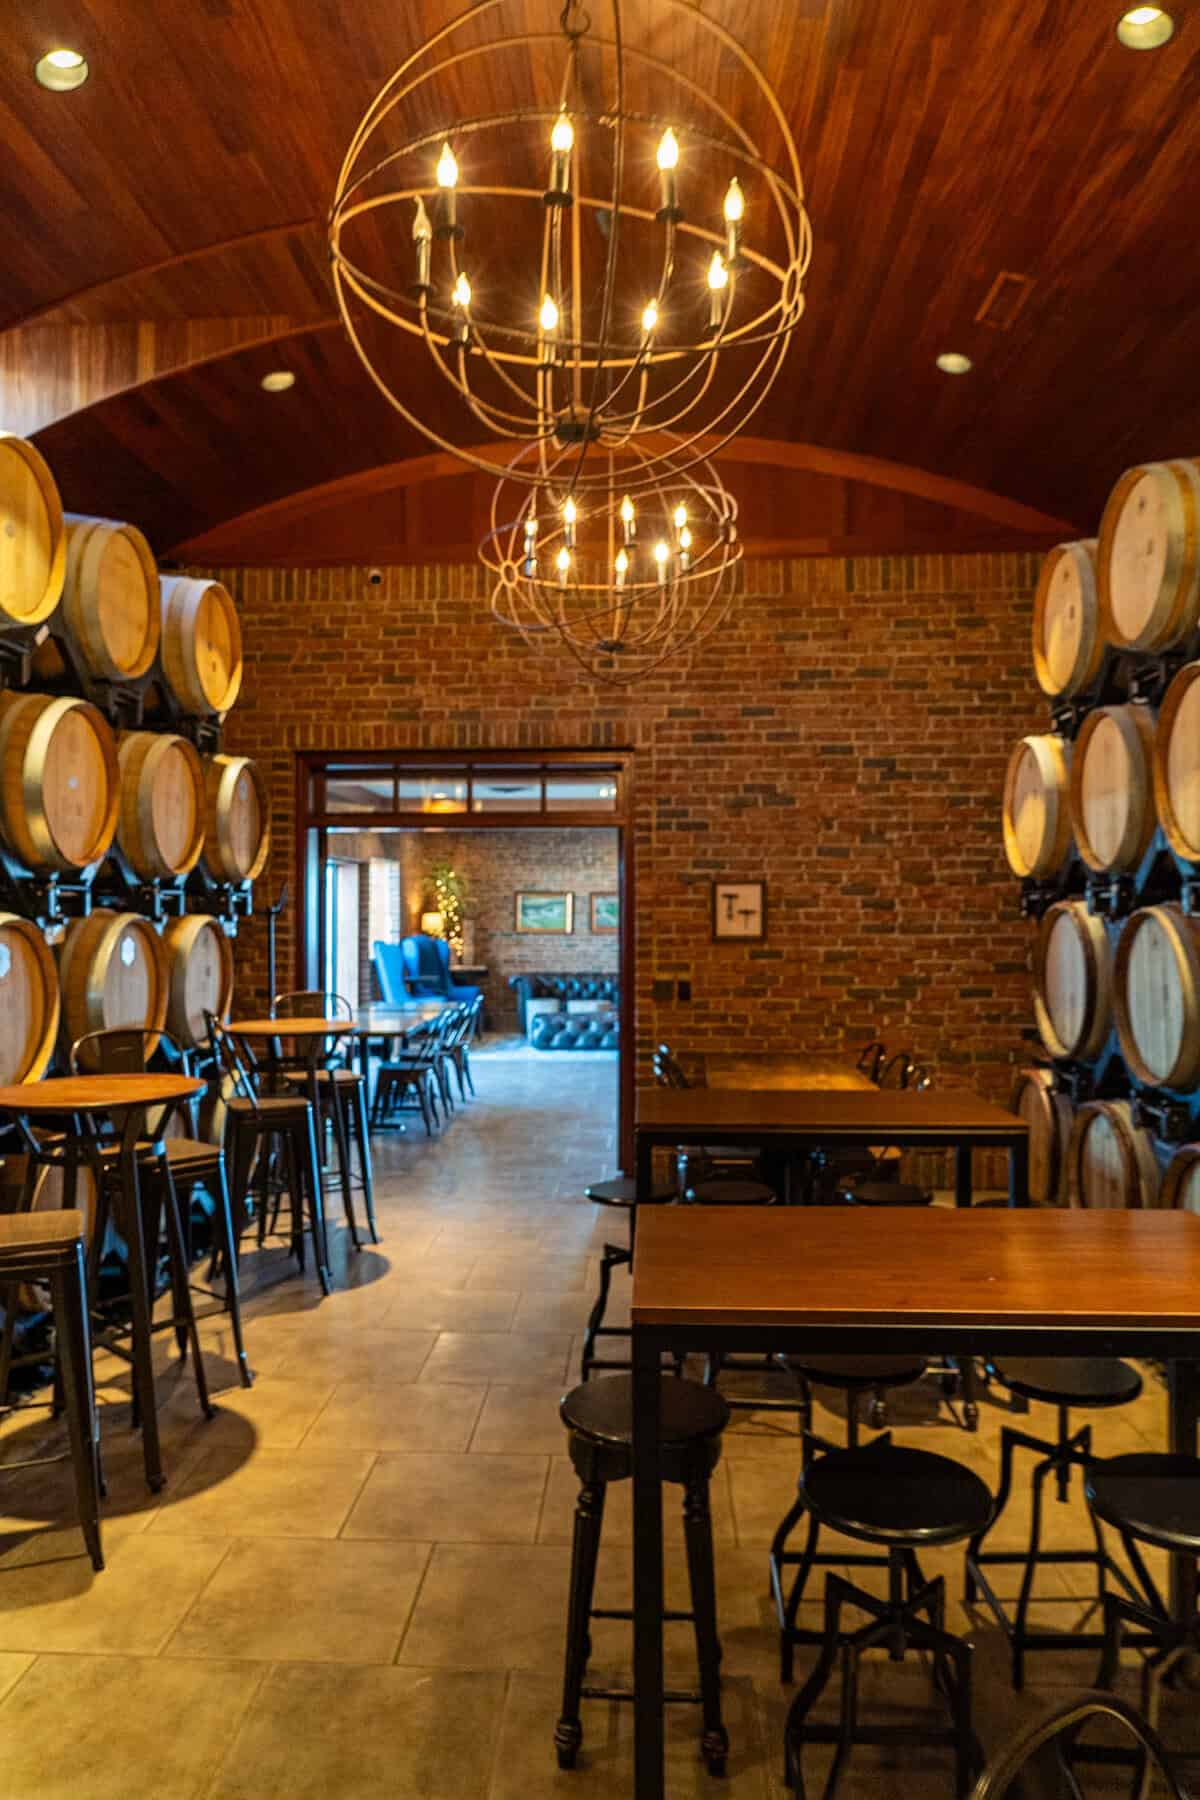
(739, 911)
(545, 912)
(605, 912)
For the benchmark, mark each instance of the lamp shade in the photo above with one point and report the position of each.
(433, 923)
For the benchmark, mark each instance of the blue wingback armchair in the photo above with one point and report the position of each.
(418, 966)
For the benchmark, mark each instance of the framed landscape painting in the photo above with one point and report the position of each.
(546, 912)
(606, 912)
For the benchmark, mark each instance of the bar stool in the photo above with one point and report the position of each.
(48, 1247)
(1062, 1382)
(903, 1499)
(1149, 1497)
(884, 1193)
(342, 1097)
(622, 1195)
(854, 1376)
(599, 1420)
(729, 1190)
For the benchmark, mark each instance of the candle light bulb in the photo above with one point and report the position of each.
(680, 516)
(621, 565)
(562, 138)
(570, 511)
(685, 550)
(629, 519)
(735, 203)
(668, 150)
(662, 551)
(718, 274)
(563, 562)
(422, 237)
(462, 292)
(649, 316)
(668, 159)
(548, 317)
(447, 168)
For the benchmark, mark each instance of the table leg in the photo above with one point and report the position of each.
(1183, 1401)
(1018, 1173)
(643, 1167)
(647, 1567)
(962, 1174)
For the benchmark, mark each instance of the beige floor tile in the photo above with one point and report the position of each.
(456, 1499)
(563, 1488)
(448, 1269)
(272, 1493)
(398, 1415)
(129, 1608)
(545, 1310)
(527, 1270)
(497, 1356)
(522, 1591)
(521, 1418)
(451, 1309)
(381, 1355)
(366, 1734)
(13, 1664)
(305, 1600)
(276, 1412)
(110, 1727)
(763, 1489)
(526, 1767)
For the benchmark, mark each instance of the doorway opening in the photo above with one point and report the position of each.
(519, 862)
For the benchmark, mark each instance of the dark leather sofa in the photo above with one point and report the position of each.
(564, 1031)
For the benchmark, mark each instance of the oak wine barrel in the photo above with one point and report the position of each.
(28, 1001)
(1112, 1161)
(1037, 820)
(199, 977)
(112, 971)
(1177, 763)
(1112, 787)
(1148, 560)
(1157, 996)
(160, 827)
(110, 597)
(1049, 1116)
(237, 829)
(201, 644)
(1068, 644)
(59, 781)
(1181, 1183)
(1072, 981)
(33, 547)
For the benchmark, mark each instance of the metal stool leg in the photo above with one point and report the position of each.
(362, 1134)
(341, 1137)
(317, 1205)
(177, 1258)
(585, 1550)
(69, 1288)
(697, 1529)
(229, 1256)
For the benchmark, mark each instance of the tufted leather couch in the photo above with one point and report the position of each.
(593, 986)
(564, 1031)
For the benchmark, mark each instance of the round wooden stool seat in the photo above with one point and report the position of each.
(624, 1193)
(603, 1411)
(1153, 1495)
(847, 1373)
(893, 1494)
(1070, 1380)
(730, 1193)
(887, 1193)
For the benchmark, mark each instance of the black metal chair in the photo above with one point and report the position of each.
(1062, 1382)
(697, 1166)
(622, 1195)
(257, 1125)
(1060, 1731)
(415, 1079)
(1148, 1497)
(458, 1050)
(599, 1420)
(48, 1247)
(342, 1099)
(903, 1500)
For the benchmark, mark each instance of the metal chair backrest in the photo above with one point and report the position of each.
(667, 1069)
(1061, 1729)
(229, 1061)
(919, 1076)
(871, 1059)
(903, 1066)
(311, 1003)
(457, 1027)
(125, 1050)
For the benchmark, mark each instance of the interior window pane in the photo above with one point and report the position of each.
(359, 790)
(443, 791)
(571, 792)
(506, 790)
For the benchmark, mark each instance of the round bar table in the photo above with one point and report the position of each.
(128, 1097)
(311, 1034)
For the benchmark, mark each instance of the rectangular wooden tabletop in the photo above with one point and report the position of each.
(763, 1069)
(936, 1112)
(754, 1266)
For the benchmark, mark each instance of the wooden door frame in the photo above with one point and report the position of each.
(310, 763)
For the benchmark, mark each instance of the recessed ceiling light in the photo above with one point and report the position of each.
(61, 70)
(953, 362)
(279, 381)
(1145, 27)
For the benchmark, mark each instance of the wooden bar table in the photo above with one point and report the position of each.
(813, 1281)
(758, 1069)
(80, 1097)
(796, 1120)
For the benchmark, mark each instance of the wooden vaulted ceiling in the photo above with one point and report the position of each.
(165, 247)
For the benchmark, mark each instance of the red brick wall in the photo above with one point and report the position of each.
(498, 865)
(844, 737)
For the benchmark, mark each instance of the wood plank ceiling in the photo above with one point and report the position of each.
(165, 248)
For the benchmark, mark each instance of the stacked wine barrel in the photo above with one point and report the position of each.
(127, 840)
(1102, 824)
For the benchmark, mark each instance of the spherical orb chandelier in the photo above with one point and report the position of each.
(620, 583)
(607, 253)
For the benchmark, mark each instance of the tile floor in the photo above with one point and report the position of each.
(355, 1583)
